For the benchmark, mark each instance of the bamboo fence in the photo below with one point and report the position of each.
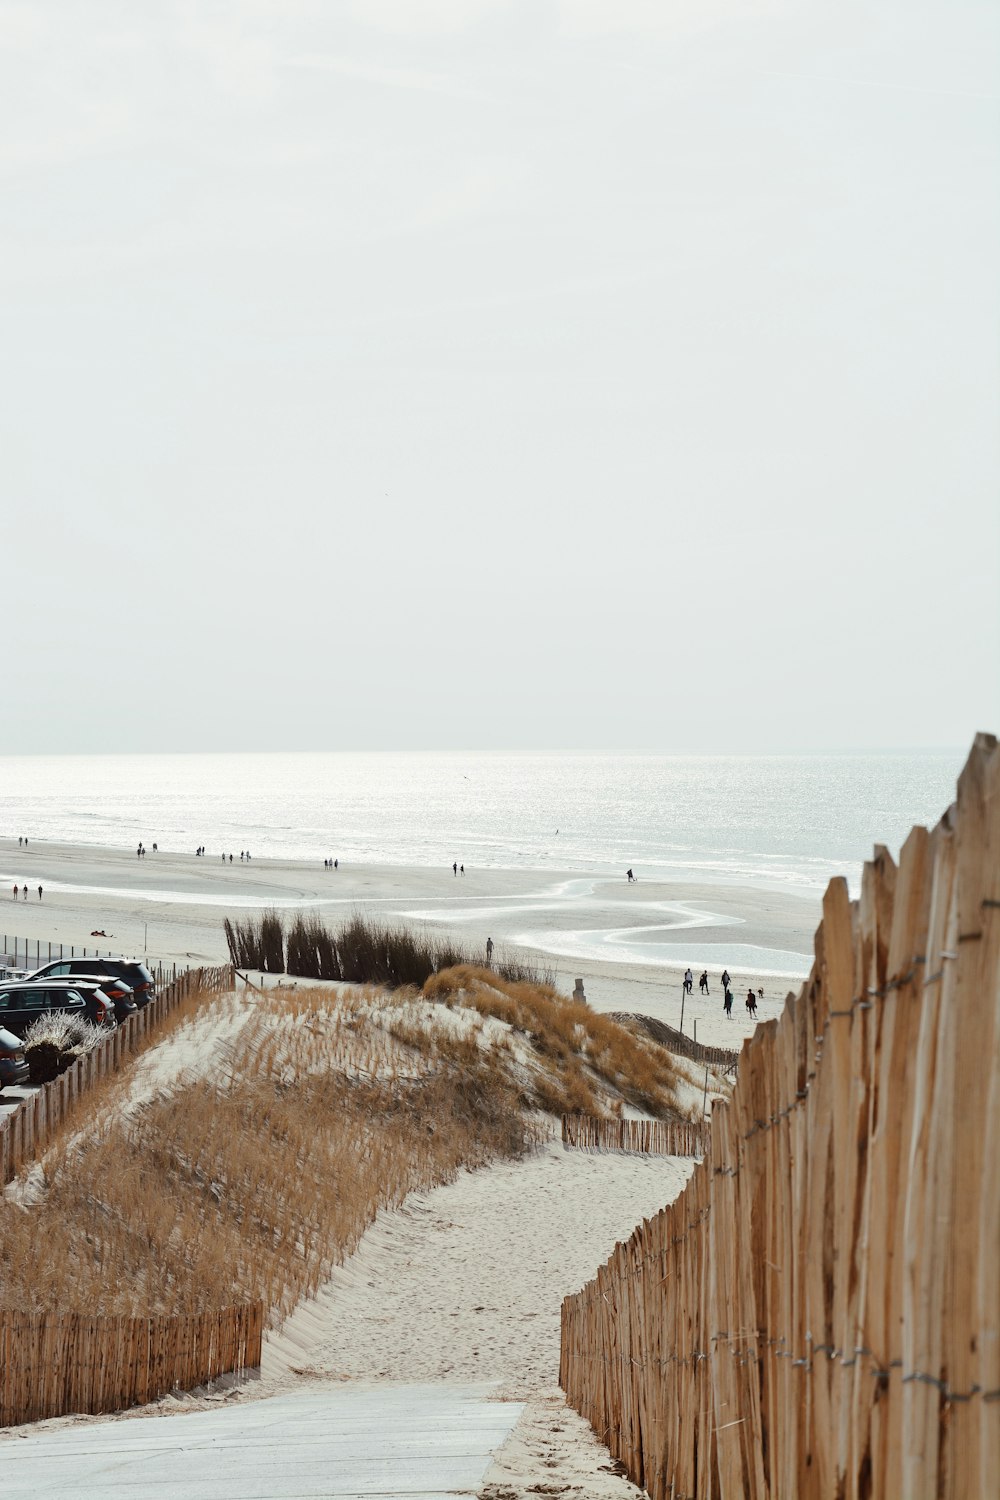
(29, 1129)
(818, 1313)
(644, 1137)
(54, 1363)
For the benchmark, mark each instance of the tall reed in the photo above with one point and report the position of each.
(361, 951)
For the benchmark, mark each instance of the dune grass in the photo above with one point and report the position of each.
(256, 1179)
(361, 951)
(580, 1047)
(255, 1172)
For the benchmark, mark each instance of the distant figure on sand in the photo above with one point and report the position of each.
(726, 981)
(25, 893)
(39, 893)
(461, 869)
(703, 983)
(20, 842)
(751, 1002)
(630, 877)
(728, 1004)
(15, 891)
(336, 864)
(454, 869)
(688, 982)
(489, 953)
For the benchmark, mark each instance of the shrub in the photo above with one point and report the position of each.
(54, 1041)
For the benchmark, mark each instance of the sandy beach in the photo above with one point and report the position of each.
(629, 942)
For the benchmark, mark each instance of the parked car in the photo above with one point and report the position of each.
(138, 978)
(116, 990)
(13, 1063)
(26, 1000)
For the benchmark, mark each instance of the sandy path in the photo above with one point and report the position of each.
(465, 1283)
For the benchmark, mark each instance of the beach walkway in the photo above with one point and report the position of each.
(393, 1442)
(434, 1347)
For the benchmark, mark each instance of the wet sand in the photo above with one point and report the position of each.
(630, 943)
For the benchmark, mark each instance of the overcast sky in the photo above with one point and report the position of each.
(476, 374)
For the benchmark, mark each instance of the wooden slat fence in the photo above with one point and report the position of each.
(818, 1313)
(54, 1363)
(645, 1137)
(29, 1129)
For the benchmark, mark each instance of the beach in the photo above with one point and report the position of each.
(629, 942)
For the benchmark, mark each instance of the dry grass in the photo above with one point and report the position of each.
(363, 950)
(580, 1049)
(255, 1182)
(253, 1175)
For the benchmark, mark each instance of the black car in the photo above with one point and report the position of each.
(115, 990)
(23, 1002)
(138, 978)
(13, 1063)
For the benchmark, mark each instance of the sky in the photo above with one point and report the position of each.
(485, 374)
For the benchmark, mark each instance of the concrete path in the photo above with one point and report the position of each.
(341, 1443)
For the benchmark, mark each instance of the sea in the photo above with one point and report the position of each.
(782, 821)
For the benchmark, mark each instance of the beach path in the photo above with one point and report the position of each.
(435, 1346)
(394, 1442)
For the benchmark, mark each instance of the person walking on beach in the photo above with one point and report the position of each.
(703, 983)
(489, 953)
(20, 843)
(728, 1004)
(726, 981)
(39, 893)
(24, 893)
(629, 876)
(688, 982)
(15, 891)
(461, 869)
(454, 869)
(751, 1002)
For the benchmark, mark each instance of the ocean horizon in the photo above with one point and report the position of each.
(790, 821)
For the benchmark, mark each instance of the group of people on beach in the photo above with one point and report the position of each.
(22, 843)
(331, 864)
(727, 994)
(140, 853)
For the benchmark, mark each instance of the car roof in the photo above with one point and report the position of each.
(54, 982)
(38, 978)
(93, 959)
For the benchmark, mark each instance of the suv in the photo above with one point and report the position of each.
(138, 978)
(115, 990)
(26, 1000)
